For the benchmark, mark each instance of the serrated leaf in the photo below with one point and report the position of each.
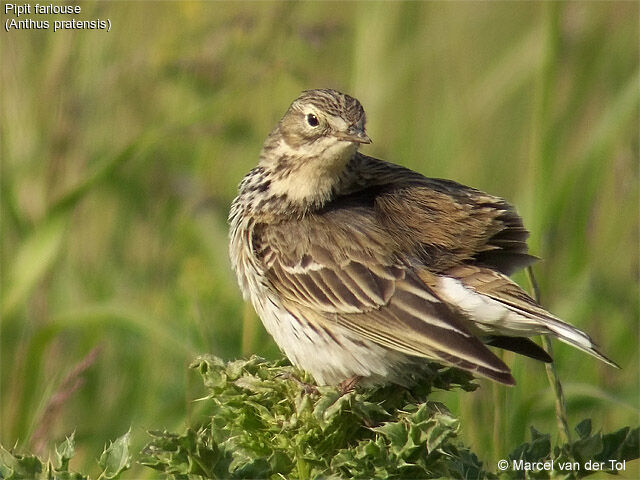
(64, 452)
(253, 384)
(623, 444)
(7, 462)
(324, 403)
(116, 458)
(396, 433)
(583, 429)
(20, 467)
(440, 430)
(538, 449)
(587, 448)
(235, 369)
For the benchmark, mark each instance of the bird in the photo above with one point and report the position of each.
(364, 270)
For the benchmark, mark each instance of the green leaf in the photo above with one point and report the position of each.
(537, 450)
(116, 458)
(14, 466)
(440, 429)
(587, 448)
(621, 445)
(583, 429)
(396, 434)
(64, 452)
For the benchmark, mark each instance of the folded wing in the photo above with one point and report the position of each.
(342, 268)
(446, 223)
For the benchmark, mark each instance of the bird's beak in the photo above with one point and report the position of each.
(353, 134)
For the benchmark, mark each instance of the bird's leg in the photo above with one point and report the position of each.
(349, 384)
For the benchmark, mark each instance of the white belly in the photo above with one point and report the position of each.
(330, 357)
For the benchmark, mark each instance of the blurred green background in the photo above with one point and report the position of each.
(121, 153)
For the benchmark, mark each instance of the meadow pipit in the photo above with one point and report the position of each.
(362, 268)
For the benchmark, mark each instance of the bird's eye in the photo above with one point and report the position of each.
(312, 120)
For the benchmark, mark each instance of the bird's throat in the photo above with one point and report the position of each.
(309, 181)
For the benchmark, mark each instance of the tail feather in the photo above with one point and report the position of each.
(498, 307)
(566, 333)
(579, 339)
(520, 345)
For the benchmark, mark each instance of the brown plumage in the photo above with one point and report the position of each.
(359, 267)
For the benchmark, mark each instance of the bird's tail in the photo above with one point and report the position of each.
(576, 338)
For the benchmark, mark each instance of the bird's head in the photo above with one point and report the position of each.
(313, 142)
(324, 118)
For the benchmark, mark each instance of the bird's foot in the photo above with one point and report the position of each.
(349, 385)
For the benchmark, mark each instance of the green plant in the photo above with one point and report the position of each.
(115, 460)
(266, 422)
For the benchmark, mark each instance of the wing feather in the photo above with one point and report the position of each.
(444, 222)
(362, 285)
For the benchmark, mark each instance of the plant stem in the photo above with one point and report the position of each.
(552, 373)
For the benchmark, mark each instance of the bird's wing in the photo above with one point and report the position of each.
(483, 289)
(341, 267)
(444, 222)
